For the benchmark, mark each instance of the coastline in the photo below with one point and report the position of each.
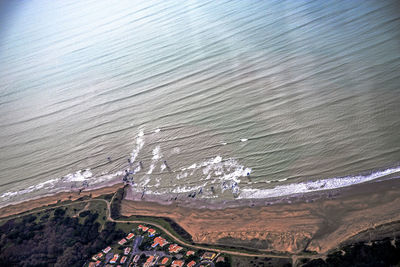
(316, 221)
(42, 201)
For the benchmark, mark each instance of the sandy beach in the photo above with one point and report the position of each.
(316, 222)
(313, 222)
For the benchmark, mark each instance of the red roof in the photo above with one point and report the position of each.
(174, 248)
(159, 241)
(122, 241)
(143, 228)
(191, 264)
(164, 261)
(177, 263)
(190, 252)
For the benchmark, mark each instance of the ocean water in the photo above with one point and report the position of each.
(225, 99)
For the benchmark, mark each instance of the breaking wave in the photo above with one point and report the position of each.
(319, 185)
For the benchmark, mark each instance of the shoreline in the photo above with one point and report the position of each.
(317, 222)
(197, 203)
(43, 201)
(316, 226)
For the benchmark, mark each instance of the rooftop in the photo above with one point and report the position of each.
(177, 263)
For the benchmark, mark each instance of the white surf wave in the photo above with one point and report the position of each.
(319, 185)
(75, 179)
(139, 146)
(156, 157)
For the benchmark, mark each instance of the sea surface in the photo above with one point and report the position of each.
(212, 99)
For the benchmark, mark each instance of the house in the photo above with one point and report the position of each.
(127, 250)
(114, 259)
(174, 248)
(136, 258)
(149, 261)
(177, 263)
(97, 256)
(159, 241)
(189, 253)
(143, 228)
(164, 260)
(191, 264)
(107, 249)
(151, 232)
(130, 236)
(94, 264)
(123, 260)
(122, 241)
(208, 256)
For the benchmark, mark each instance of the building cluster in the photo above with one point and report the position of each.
(160, 253)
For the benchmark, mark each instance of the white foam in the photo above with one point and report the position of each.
(217, 170)
(163, 167)
(157, 130)
(137, 169)
(243, 140)
(193, 166)
(78, 176)
(181, 175)
(145, 181)
(156, 156)
(186, 189)
(323, 184)
(139, 146)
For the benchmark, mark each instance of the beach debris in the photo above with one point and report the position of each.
(192, 195)
(167, 166)
(109, 159)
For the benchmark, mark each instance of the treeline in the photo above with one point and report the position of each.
(116, 203)
(179, 230)
(54, 239)
(380, 253)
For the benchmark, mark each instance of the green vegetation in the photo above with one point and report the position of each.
(259, 261)
(379, 253)
(116, 203)
(53, 238)
(167, 223)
